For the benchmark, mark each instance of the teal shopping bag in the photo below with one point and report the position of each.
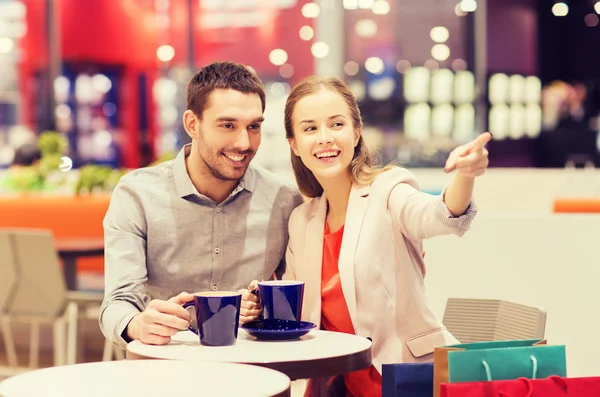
(498, 360)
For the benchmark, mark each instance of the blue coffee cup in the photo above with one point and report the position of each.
(281, 299)
(217, 316)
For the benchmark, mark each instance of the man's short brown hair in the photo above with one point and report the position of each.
(224, 75)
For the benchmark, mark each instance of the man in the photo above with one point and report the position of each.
(204, 221)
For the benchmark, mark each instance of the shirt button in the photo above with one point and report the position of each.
(218, 209)
(214, 287)
(217, 250)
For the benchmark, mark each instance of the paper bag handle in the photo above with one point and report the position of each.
(488, 373)
(529, 389)
(560, 382)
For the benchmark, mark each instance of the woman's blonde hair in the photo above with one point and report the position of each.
(363, 171)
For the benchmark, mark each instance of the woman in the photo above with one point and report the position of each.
(357, 244)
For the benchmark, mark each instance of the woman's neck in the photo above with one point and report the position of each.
(337, 192)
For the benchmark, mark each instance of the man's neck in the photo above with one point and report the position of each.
(207, 184)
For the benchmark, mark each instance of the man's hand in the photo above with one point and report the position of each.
(250, 309)
(160, 320)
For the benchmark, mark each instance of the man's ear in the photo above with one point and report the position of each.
(191, 124)
(294, 146)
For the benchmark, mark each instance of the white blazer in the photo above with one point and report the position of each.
(381, 265)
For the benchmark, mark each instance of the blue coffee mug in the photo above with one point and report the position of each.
(281, 299)
(217, 316)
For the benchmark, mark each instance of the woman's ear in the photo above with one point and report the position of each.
(191, 124)
(357, 135)
(294, 146)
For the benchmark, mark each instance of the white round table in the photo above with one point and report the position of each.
(148, 378)
(316, 354)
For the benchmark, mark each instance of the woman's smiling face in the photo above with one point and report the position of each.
(324, 135)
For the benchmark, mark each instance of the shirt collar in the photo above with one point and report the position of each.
(185, 187)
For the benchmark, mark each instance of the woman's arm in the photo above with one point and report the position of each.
(420, 215)
(469, 161)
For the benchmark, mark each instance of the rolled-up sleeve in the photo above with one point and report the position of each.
(457, 223)
(124, 262)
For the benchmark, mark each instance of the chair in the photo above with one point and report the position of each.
(480, 320)
(40, 296)
(8, 284)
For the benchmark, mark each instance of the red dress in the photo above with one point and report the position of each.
(335, 316)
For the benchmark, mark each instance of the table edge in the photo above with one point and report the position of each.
(301, 369)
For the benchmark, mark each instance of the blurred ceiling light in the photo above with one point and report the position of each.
(432, 64)
(278, 57)
(597, 7)
(382, 89)
(374, 65)
(17, 29)
(319, 49)
(351, 68)
(439, 34)
(165, 53)
(311, 10)
(278, 89)
(440, 52)
(403, 66)
(286, 71)
(101, 83)
(381, 7)
(351, 4)
(458, 64)
(459, 11)
(358, 88)
(366, 28)
(591, 20)
(6, 45)
(306, 33)
(84, 91)
(103, 138)
(468, 5)
(62, 111)
(13, 9)
(560, 9)
(366, 4)
(109, 109)
(164, 90)
(61, 88)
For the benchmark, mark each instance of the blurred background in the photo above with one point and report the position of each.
(90, 89)
(109, 76)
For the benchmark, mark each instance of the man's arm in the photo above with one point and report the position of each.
(126, 313)
(124, 262)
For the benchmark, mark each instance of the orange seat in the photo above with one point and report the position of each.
(579, 205)
(66, 216)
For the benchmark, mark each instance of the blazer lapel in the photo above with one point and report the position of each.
(313, 261)
(355, 215)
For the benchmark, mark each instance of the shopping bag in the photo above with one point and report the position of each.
(407, 380)
(553, 386)
(497, 360)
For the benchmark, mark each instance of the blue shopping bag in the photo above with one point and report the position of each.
(407, 380)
